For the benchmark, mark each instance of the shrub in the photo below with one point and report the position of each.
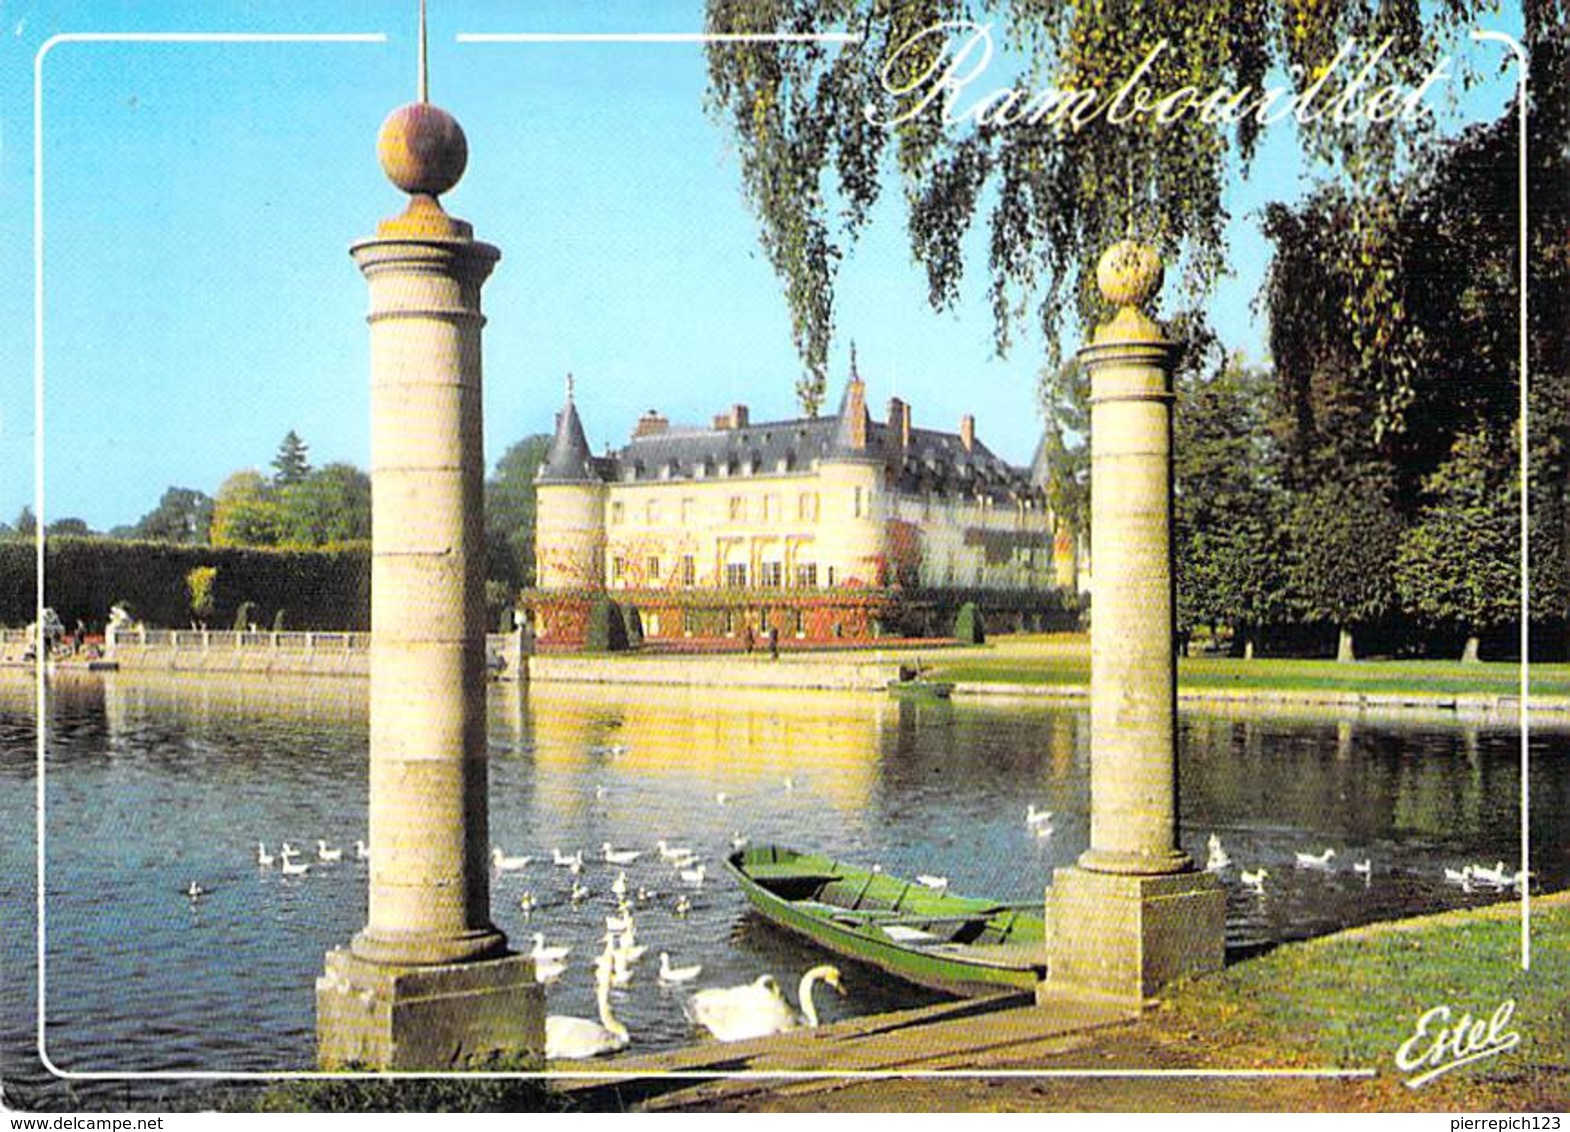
(278, 620)
(968, 628)
(200, 583)
(244, 616)
(607, 630)
(634, 621)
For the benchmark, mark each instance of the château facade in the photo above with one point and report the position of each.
(824, 528)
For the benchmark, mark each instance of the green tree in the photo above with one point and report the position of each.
(26, 525)
(332, 504)
(1459, 564)
(510, 511)
(817, 126)
(77, 527)
(1228, 507)
(291, 465)
(1063, 393)
(245, 512)
(183, 515)
(201, 584)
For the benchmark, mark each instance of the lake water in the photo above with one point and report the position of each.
(152, 782)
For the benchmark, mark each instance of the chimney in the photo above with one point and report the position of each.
(856, 410)
(652, 423)
(967, 432)
(738, 416)
(899, 421)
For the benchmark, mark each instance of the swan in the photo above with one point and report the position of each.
(546, 973)
(669, 852)
(528, 903)
(693, 877)
(1459, 876)
(573, 861)
(325, 854)
(195, 891)
(758, 1009)
(1498, 876)
(1217, 859)
(263, 858)
(601, 793)
(1315, 861)
(291, 869)
(790, 784)
(288, 850)
(567, 1037)
(506, 864)
(362, 851)
(541, 953)
(721, 798)
(1364, 868)
(683, 906)
(669, 974)
(619, 856)
(1034, 816)
(579, 893)
(618, 923)
(628, 949)
(1043, 830)
(1254, 880)
(937, 884)
(619, 886)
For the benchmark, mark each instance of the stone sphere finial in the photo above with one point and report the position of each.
(1129, 274)
(422, 149)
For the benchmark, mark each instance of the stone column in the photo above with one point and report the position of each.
(1134, 914)
(429, 981)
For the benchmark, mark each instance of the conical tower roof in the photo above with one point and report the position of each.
(568, 460)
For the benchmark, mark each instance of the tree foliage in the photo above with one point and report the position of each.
(292, 464)
(245, 512)
(330, 505)
(818, 125)
(183, 515)
(509, 513)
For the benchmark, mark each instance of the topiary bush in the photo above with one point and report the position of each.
(244, 616)
(968, 628)
(607, 629)
(634, 622)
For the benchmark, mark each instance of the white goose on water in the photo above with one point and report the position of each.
(1364, 868)
(693, 877)
(1034, 816)
(1217, 858)
(505, 864)
(323, 853)
(669, 974)
(1315, 860)
(619, 856)
(1496, 877)
(572, 1038)
(263, 858)
(543, 954)
(1254, 880)
(758, 1008)
(195, 891)
(1459, 876)
(293, 869)
(362, 851)
(937, 884)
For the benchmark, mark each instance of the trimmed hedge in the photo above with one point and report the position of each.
(83, 577)
(968, 627)
(607, 629)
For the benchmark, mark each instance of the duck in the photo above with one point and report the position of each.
(579, 893)
(1254, 880)
(758, 1009)
(1217, 858)
(1042, 830)
(1496, 877)
(720, 798)
(693, 877)
(1034, 816)
(1315, 860)
(618, 923)
(569, 1038)
(543, 954)
(566, 860)
(292, 869)
(619, 856)
(1462, 876)
(628, 949)
(505, 864)
(937, 884)
(1364, 868)
(683, 906)
(362, 851)
(323, 853)
(528, 903)
(669, 852)
(264, 859)
(669, 974)
(195, 891)
(619, 886)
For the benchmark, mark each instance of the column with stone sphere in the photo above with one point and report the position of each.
(1134, 913)
(429, 982)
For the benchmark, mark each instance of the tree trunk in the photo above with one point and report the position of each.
(1344, 649)
(1469, 653)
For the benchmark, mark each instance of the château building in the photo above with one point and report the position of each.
(821, 528)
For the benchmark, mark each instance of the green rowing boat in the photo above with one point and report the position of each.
(959, 944)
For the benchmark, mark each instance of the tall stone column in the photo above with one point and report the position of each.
(1134, 913)
(429, 981)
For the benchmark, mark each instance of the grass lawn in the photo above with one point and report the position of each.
(1066, 660)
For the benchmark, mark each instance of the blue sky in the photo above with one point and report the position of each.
(199, 201)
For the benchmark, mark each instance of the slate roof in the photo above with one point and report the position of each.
(934, 461)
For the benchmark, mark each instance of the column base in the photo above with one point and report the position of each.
(1121, 938)
(458, 1016)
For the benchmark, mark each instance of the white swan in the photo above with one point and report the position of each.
(362, 851)
(669, 974)
(528, 903)
(619, 856)
(292, 869)
(1217, 858)
(573, 1038)
(693, 877)
(619, 886)
(505, 864)
(325, 854)
(543, 954)
(1364, 868)
(1315, 860)
(195, 891)
(937, 884)
(669, 852)
(1254, 880)
(579, 893)
(1034, 816)
(264, 859)
(1459, 876)
(758, 1009)
(547, 973)
(618, 923)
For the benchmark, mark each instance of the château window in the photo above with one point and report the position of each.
(771, 574)
(807, 506)
(771, 507)
(653, 568)
(689, 570)
(806, 575)
(736, 575)
(618, 568)
(738, 509)
(618, 513)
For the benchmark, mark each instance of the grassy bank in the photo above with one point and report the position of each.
(1043, 660)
